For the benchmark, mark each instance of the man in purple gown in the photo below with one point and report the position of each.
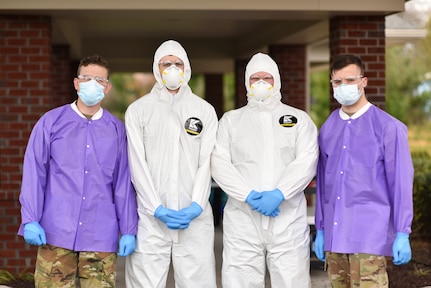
(364, 185)
(76, 193)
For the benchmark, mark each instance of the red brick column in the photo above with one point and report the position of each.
(291, 60)
(363, 36)
(63, 91)
(25, 89)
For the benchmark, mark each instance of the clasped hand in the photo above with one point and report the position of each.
(178, 219)
(267, 202)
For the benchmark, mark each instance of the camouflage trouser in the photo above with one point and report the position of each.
(59, 267)
(357, 270)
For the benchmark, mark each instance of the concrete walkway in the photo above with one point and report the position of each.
(319, 278)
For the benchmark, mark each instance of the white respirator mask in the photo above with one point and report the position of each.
(260, 90)
(173, 77)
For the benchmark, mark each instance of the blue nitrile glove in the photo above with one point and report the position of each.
(319, 245)
(269, 202)
(173, 219)
(253, 199)
(176, 226)
(401, 249)
(192, 211)
(34, 234)
(275, 212)
(127, 245)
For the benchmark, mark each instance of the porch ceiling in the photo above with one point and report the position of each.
(214, 34)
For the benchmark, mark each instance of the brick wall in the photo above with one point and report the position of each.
(63, 91)
(25, 89)
(363, 36)
(291, 60)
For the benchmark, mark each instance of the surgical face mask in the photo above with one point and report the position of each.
(260, 90)
(347, 94)
(173, 77)
(91, 92)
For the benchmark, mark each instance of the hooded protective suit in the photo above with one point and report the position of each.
(171, 137)
(263, 146)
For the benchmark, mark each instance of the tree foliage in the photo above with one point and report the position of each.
(401, 79)
(406, 67)
(126, 88)
(320, 96)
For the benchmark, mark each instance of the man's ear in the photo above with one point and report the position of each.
(365, 81)
(107, 88)
(76, 84)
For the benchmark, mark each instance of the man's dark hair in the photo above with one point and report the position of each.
(341, 61)
(93, 59)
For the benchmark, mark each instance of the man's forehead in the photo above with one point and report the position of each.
(260, 73)
(349, 69)
(95, 69)
(170, 57)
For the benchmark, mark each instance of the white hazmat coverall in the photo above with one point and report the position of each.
(170, 140)
(265, 146)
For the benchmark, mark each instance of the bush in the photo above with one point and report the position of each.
(422, 195)
(24, 280)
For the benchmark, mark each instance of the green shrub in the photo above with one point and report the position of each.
(422, 195)
(23, 280)
(6, 277)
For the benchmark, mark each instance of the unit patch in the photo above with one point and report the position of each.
(288, 121)
(193, 126)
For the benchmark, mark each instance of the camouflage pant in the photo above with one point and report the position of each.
(59, 267)
(357, 270)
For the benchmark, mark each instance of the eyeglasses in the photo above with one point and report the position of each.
(256, 78)
(167, 64)
(102, 81)
(348, 80)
